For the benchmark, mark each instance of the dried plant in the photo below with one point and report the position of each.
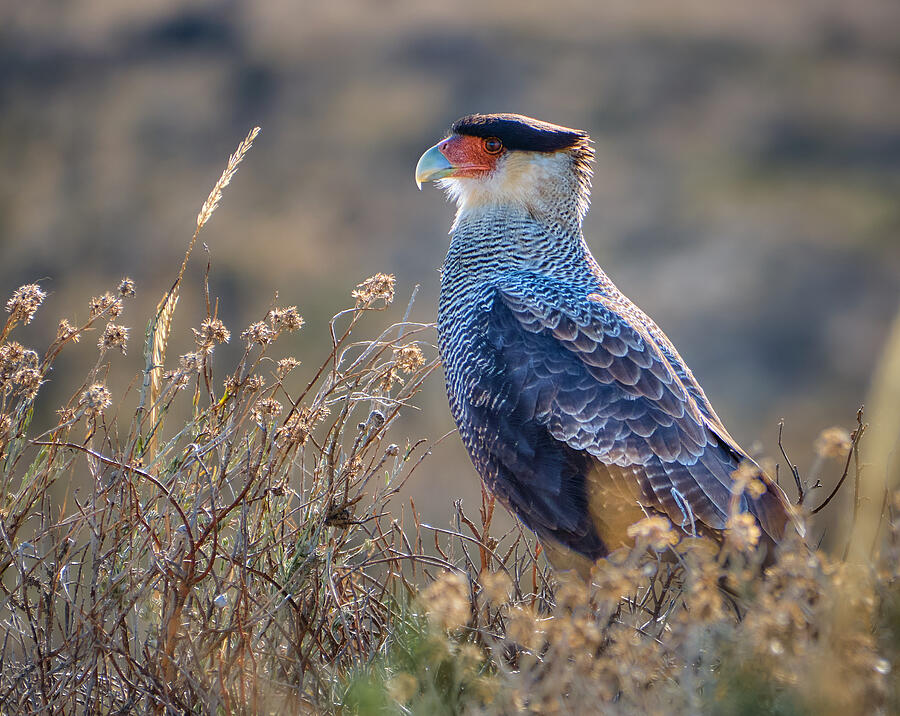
(261, 522)
(160, 326)
(260, 554)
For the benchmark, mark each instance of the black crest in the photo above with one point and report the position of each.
(519, 132)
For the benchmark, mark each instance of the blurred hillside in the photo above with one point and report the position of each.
(746, 183)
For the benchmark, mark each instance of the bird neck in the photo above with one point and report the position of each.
(488, 240)
(558, 217)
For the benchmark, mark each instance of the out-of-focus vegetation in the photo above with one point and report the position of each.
(745, 188)
(260, 555)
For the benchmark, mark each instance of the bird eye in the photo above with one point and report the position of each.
(492, 145)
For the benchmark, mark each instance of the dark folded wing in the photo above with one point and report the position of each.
(597, 383)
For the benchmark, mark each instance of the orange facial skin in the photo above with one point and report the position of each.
(468, 155)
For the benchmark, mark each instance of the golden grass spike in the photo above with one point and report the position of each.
(212, 201)
(165, 310)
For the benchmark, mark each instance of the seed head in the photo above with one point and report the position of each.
(742, 532)
(25, 302)
(409, 358)
(497, 586)
(29, 380)
(212, 331)
(299, 425)
(19, 365)
(96, 399)
(656, 531)
(12, 355)
(833, 443)
(755, 489)
(254, 383)
(286, 319)
(379, 286)
(114, 336)
(352, 468)
(265, 410)
(188, 365)
(66, 331)
(447, 601)
(258, 333)
(286, 365)
(125, 288)
(190, 362)
(523, 627)
(747, 479)
(105, 303)
(704, 599)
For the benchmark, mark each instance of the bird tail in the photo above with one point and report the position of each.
(775, 514)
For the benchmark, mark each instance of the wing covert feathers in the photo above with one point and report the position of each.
(596, 427)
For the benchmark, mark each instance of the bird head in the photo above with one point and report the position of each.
(491, 160)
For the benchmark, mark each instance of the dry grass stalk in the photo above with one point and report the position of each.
(160, 328)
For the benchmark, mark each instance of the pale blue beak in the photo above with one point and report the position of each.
(432, 165)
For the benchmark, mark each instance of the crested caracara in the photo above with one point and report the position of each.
(574, 406)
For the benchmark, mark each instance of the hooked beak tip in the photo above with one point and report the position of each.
(432, 165)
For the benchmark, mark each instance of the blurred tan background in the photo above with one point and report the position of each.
(746, 184)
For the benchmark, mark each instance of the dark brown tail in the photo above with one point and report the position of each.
(776, 516)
